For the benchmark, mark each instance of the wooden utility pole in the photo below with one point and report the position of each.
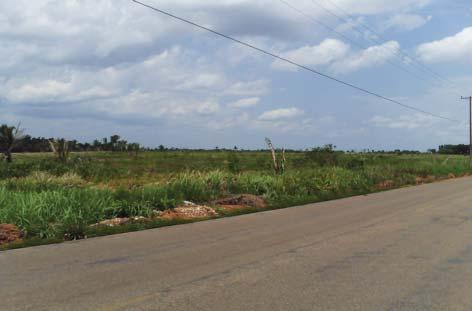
(470, 127)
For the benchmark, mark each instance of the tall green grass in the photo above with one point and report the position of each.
(47, 199)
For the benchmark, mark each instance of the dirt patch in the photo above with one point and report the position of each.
(189, 211)
(232, 207)
(9, 233)
(241, 201)
(425, 180)
(387, 184)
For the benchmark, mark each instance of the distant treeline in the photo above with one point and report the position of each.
(454, 149)
(115, 143)
(12, 139)
(41, 144)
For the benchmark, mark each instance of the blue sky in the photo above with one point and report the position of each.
(88, 69)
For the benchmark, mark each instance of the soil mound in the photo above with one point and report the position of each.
(245, 200)
(190, 210)
(9, 233)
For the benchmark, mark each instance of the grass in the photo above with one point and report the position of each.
(52, 201)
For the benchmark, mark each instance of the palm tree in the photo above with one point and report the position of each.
(9, 137)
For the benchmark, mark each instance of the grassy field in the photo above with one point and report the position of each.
(52, 201)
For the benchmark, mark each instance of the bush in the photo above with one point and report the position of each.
(324, 156)
(234, 163)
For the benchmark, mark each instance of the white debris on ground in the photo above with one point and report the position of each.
(113, 222)
(189, 210)
(192, 211)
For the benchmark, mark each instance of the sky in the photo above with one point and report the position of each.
(86, 69)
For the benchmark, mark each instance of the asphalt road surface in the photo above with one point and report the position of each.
(407, 249)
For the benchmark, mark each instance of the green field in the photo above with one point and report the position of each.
(52, 201)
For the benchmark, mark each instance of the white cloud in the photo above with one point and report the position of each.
(114, 61)
(249, 88)
(370, 57)
(325, 53)
(338, 57)
(166, 84)
(280, 114)
(450, 49)
(410, 122)
(245, 102)
(406, 22)
(370, 7)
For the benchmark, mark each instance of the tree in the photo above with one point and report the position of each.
(114, 142)
(134, 148)
(121, 145)
(61, 148)
(279, 165)
(324, 156)
(9, 137)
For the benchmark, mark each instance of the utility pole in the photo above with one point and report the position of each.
(470, 126)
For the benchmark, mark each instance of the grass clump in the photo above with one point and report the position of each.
(41, 181)
(54, 213)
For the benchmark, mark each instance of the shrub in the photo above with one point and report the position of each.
(234, 163)
(324, 156)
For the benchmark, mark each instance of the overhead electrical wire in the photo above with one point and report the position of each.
(340, 34)
(353, 86)
(400, 52)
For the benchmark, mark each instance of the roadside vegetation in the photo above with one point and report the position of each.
(60, 195)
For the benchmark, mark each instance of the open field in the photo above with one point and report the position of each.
(52, 201)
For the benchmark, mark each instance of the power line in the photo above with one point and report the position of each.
(353, 41)
(291, 62)
(401, 53)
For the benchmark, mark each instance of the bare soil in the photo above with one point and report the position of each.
(241, 201)
(9, 233)
(189, 212)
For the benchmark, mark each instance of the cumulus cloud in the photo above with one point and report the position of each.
(370, 7)
(409, 122)
(406, 22)
(122, 64)
(281, 114)
(338, 56)
(325, 53)
(450, 49)
(245, 102)
(248, 88)
(165, 84)
(370, 57)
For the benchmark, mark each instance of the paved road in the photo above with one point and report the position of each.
(407, 249)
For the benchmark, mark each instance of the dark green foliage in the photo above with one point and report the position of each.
(454, 149)
(324, 156)
(234, 163)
